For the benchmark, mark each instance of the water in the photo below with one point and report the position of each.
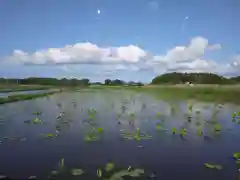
(170, 156)
(6, 94)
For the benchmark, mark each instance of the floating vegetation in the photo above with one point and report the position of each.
(158, 126)
(61, 164)
(135, 135)
(100, 130)
(49, 135)
(183, 132)
(236, 155)
(199, 132)
(213, 166)
(33, 121)
(77, 172)
(217, 127)
(99, 172)
(174, 130)
(91, 137)
(109, 166)
(132, 173)
(38, 113)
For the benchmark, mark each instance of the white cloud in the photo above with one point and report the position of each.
(187, 58)
(82, 53)
(129, 58)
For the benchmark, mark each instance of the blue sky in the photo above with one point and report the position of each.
(128, 39)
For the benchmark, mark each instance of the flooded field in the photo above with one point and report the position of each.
(112, 134)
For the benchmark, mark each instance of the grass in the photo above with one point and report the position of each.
(23, 97)
(12, 88)
(214, 93)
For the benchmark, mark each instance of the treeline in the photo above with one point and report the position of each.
(65, 82)
(118, 82)
(194, 78)
(46, 81)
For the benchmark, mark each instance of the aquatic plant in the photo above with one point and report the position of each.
(100, 130)
(33, 121)
(61, 164)
(49, 135)
(174, 130)
(158, 126)
(217, 127)
(91, 137)
(199, 132)
(99, 172)
(183, 132)
(77, 172)
(236, 155)
(135, 135)
(213, 166)
(109, 166)
(91, 113)
(132, 173)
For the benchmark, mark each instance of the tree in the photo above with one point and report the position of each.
(107, 82)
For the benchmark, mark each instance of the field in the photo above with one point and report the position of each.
(115, 133)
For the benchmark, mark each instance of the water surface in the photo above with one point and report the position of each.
(170, 156)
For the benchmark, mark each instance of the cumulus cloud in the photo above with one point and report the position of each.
(82, 53)
(187, 58)
(132, 58)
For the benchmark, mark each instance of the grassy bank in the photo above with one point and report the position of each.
(12, 88)
(23, 97)
(213, 93)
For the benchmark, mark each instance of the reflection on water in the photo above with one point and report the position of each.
(169, 156)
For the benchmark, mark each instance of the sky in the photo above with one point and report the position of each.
(132, 40)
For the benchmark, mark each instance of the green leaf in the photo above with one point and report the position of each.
(100, 130)
(210, 166)
(236, 155)
(218, 127)
(174, 130)
(77, 172)
(213, 166)
(109, 167)
(158, 126)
